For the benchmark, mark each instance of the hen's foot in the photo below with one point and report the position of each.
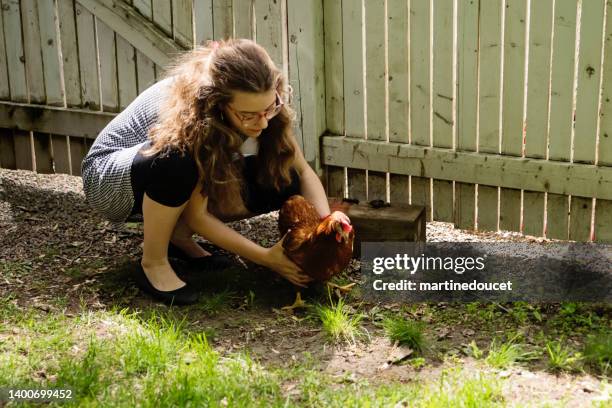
(297, 304)
(340, 290)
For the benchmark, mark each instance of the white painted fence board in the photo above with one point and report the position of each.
(88, 62)
(269, 26)
(243, 19)
(334, 73)
(50, 53)
(182, 22)
(222, 19)
(487, 208)
(397, 11)
(514, 77)
(126, 72)
(32, 51)
(539, 78)
(603, 221)
(14, 50)
(162, 15)
(443, 74)
(306, 74)
(589, 60)
(203, 21)
(353, 68)
(605, 130)
(562, 80)
(145, 69)
(70, 54)
(144, 7)
(108, 67)
(557, 218)
(5, 92)
(375, 69)
(490, 63)
(465, 206)
(419, 73)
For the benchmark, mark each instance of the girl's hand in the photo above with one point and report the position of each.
(281, 264)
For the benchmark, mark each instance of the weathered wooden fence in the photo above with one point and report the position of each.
(67, 65)
(492, 113)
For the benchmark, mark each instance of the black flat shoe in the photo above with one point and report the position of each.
(185, 295)
(210, 262)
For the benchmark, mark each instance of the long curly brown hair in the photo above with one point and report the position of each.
(191, 116)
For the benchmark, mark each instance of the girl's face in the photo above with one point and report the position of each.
(247, 111)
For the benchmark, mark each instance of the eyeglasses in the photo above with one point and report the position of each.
(250, 119)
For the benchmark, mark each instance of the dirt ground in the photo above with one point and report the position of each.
(58, 256)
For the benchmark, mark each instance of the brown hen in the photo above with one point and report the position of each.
(321, 247)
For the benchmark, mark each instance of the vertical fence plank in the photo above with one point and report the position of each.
(243, 19)
(510, 209)
(603, 221)
(144, 7)
(126, 72)
(557, 219)
(580, 219)
(605, 124)
(375, 67)
(419, 72)
(398, 17)
(203, 21)
(88, 62)
(269, 27)
(70, 54)
(334, 78)
(467, 85)
(23, 150)
(78, 150)
(354, 102)
(562, 80)
(145, 69)
(42, 152)
(464, 206)
(513, 105)
(353, 68)
(7, 150)
(59, 147)
(182, 21)
(335, 181)
(357, 184)
(540, 30)
(32, 51)
(222, 19)
(14, 50)
(533, 213)
(108, 67)
(487, 208)
(589, 60)
(442, 120)
(420, 93)
(50, 53)
(442, 201)
(5, 92)
(514, 78)
(162, 15)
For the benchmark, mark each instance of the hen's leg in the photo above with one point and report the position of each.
(299, 303)
(341, 289)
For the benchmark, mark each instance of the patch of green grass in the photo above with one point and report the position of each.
(212, 304)
(598, 351)
(502, 355)
(13, 269)
(560, 357)
(405, 332)
(474, 350)
(339, 324)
